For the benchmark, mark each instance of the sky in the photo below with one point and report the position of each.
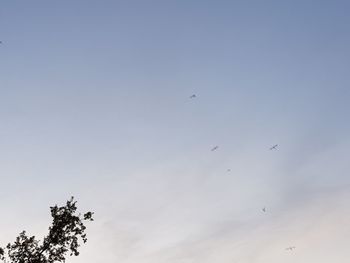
(95, 103)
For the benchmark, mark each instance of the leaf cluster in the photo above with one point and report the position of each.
(65, 234)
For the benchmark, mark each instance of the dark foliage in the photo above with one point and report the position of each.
(64, 237)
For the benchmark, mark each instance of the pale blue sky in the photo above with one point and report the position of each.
(94, 102)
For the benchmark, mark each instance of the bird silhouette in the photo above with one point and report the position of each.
(290, 248)
(264, 209)
(274, 147)
(214, 148)
(193, 96)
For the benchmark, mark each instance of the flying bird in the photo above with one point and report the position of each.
(214, 148)
(193, 96)
(274, 147)
(228, 170)
(264, 209)
(290, 248)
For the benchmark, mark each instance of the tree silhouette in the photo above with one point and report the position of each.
(65, 234)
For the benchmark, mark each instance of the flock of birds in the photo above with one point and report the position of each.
(272, 148)
(216, 147)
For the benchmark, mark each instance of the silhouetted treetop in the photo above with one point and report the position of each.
(65, 235)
